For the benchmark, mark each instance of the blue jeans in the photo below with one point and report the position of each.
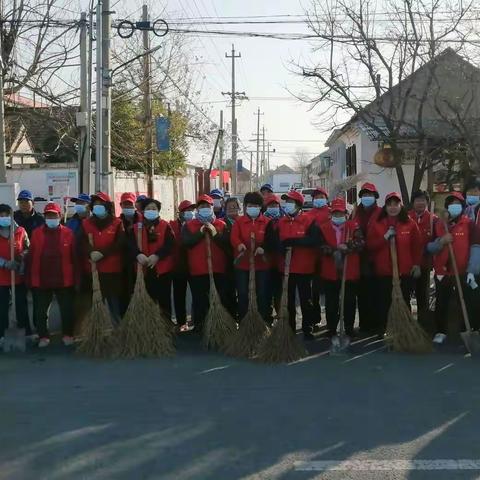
(262, 286)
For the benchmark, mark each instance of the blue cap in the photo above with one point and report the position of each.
(141, 197)
(82, 197)
(266, 186)
(216, 193)
(25, 195)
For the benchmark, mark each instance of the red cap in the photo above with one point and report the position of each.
(205, 198)
(128, 197)
(101, 196)
(184, 205)
(294, 195)
(320, 190)
(271, 198)
(393, 195)
(52, 208)
(368, 187)
(338, 205)
(456, 195)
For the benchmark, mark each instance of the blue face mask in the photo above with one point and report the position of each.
(100, 211)
(339, 220)
(320, 202)
(128, 212)
(454, 210)
(205, 214)
(188, 215)
(367, 201)
(151, 215)
(273, 212)
(290, 208)
(5, 221)
(253, 212)
(80, 209)
(473, 199)
(52, 222)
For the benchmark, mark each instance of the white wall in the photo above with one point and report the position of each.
(281, 182)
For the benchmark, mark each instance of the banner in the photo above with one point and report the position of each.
(163, 134)
(61, 184)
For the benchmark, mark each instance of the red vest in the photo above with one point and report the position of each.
(303, 258)
(241, 231)
(19, 239)
(408, 241)
(103, 239)
(197, 255)
(320, 215)
(328, 268)
(461, 246)
(67, 241)
(149, 248)
(423, 222)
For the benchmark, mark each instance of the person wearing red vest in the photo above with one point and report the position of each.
(424, 219)
(107, 251)
(364, 213)
(9, 264)
(343, 242)
(52, 272)
(298, 231)
(194, 234)
(155, 252)
(181, 279)
(251, 224)
(393, 223)
(460, 232)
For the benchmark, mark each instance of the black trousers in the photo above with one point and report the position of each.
(180, 283)
(42, 299)
(368, 311)
(302, 283)
(317, 289)
(159, 287)
(421, 287)
(332, 305)
(383, 298)
(21, 308)
(274, 293)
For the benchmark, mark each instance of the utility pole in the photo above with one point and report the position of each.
(221, 147)
(82, 118)
(99, 103)
(106, 96)
(147, 104)
(258, 114)
(3, 153)
(263, 153)
(268, 156)
(251, 171)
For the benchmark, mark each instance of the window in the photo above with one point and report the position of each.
(350, 170)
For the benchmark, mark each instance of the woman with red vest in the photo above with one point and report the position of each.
(7, 265)
(186, 213)
(108, 237)
(194, 235)
(462, 235)
(52, 271)
(343, 242)
(393, 223)
(251, 224)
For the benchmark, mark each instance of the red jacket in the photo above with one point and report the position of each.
(197, 254)
(328, 268)
(242, 229)
(19, 242)
(52, 258)
(407, 241)
(295, 229)
(364, 216)
(320, 215)
(424, 225)
(461, 232)
(103, 240)
(164, 265)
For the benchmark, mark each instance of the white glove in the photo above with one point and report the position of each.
(152, 260)
(96, 256)
(416, 272)
(390, 233)
(142, 259)
(259, 251)
(471, 281)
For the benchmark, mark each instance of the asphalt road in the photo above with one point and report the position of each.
(204, 416)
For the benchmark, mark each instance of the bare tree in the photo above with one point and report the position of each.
(301, 162)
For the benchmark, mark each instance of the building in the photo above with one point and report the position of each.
(318, 171)
(283, 178)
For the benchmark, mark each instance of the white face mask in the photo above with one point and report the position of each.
(253, 212)
(290, 208)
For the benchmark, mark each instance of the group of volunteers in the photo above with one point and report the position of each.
(213, 235)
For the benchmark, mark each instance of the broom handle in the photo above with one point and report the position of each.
(139, 245)
(342, 290)
(432, 213)
(12, 272)
(393, 254)
(286, 275)
(209, 260)
(94, 265)
(453, 260)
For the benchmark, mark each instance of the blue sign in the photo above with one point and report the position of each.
(163, 134)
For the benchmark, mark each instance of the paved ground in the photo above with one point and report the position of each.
(207, 417)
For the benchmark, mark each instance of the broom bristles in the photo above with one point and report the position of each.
(145, 330)
(98, 341)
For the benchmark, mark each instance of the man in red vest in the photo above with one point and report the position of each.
(52, 272)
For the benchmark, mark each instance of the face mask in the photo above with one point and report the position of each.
(188, 215)
(5, 221)
(290, 208)
(151, 214)
(455, 210)
(273, 212)
(253, 212)
(128, 212)
(339, 220)
(100, 211)
(367, 201)
(473, 199)
(217, 203)
(320, 202)
(205, 214)
(52, 222)
(80, 209)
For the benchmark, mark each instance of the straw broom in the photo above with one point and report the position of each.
(253, 329)
(98, 341)
(404, 333)
(145, 330)
(219, 328)
(282, 346)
